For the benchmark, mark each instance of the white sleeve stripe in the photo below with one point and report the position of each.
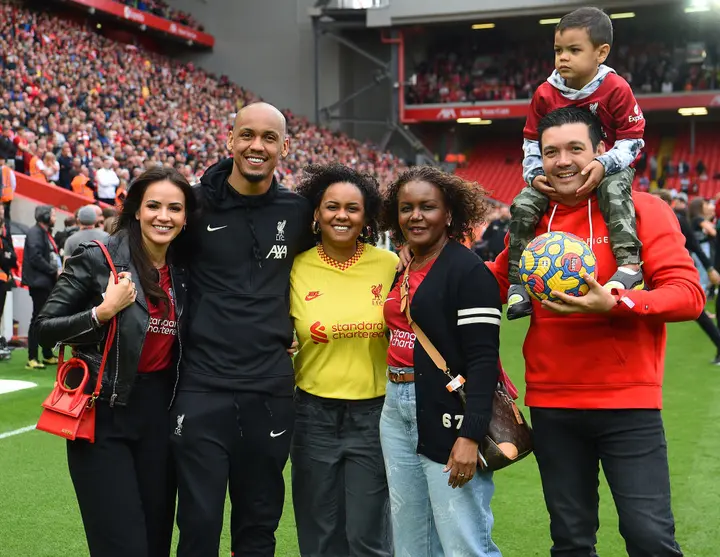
(479, 311)
(470, 320)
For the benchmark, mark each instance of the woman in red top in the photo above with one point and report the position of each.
(123, 482)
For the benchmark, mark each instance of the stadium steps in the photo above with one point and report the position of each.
(497, 167)
(707, 149)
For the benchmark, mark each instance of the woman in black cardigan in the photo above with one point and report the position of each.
(440, 501)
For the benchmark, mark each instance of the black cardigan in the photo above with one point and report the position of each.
(458, 307)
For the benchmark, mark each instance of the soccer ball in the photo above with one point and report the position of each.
(556, 261)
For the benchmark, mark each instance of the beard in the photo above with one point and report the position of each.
(254, 177)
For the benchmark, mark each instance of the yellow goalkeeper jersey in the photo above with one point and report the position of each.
(337, 310)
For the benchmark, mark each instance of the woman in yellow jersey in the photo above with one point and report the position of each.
(337, 291)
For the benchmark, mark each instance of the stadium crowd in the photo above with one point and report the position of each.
(472, 73)
(161, 9)
(75, 103)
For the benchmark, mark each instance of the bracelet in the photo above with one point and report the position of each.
(94, 317)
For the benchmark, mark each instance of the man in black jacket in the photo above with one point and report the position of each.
(234, 410)
(8, 262)
(496, 232)
(679, 205)
(40, 269)
(7, 147)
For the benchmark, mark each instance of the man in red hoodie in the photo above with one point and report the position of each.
(594, 364)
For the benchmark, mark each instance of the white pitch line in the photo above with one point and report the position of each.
(17, 431)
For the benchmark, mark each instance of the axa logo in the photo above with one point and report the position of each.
(279, 252)
(312, 295)
(447, 114)
(377, 294)
(280, 236)
(317, 333)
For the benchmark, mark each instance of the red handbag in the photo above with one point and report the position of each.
(69, 412)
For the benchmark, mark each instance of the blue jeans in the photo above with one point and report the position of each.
(429, 518)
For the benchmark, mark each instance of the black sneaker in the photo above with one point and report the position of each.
(519, 303)
(626, 279)
(716, 361)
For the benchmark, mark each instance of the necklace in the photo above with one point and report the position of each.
(428, 257)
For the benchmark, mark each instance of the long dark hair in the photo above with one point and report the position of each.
(128, 224)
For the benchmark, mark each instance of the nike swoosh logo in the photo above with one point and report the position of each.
(310, 297)
(273, 434)
(211, 229)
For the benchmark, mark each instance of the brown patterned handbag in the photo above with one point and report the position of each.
(509, 437)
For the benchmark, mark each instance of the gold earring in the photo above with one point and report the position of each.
(316, 227)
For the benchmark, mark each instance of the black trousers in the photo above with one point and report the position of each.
(4, 289)
(7, 211)
(340, 493)
(125, 482)
(236, 438)
(710, 329)
(630, 444)
(39, 297)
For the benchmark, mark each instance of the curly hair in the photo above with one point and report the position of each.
(317, 178)
(466, 201)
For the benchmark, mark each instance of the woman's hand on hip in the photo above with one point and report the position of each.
(117, 296)
(462, 462)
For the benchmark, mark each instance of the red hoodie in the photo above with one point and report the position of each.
(612, 360)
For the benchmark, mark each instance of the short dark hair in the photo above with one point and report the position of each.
(466, 201)
(571, 115)
(595, 21)
(317, 178)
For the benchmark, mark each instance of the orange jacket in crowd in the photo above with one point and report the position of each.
(120, 194)
(79, 186)
(35, 171)
(7, 179)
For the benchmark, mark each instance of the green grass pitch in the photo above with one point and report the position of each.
(39, 516)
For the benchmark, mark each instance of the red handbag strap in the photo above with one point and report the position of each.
(112, 326)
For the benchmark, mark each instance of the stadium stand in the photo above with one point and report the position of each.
(466, 67)
(161, 9)
(64, 84)
(496, 164)
(469, 76)
(684, 172)
(73, 98)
